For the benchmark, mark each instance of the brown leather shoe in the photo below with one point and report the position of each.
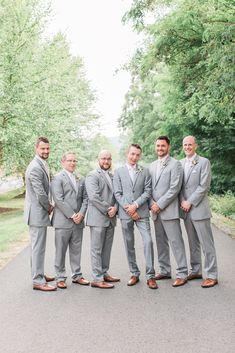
(102, 285)
(81, 281)
(44, 287)
(179, 282)
(111, 279)
(61, 285)
(133, 280)
(49, 278)
(209, 282)
(152, 283)
(193, 276)
(159, 276)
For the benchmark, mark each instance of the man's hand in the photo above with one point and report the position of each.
(155, 208)
(77, 218)
(185, 205)
(112, 211)
(131, 209)
(135, 216)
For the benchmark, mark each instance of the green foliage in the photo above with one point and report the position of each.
(43, 90)
(223, 204)
(183, 80)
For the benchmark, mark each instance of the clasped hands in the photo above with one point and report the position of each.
(155, 208)
(112, 211)
(77, 218)
(131, 210)
(185, 205)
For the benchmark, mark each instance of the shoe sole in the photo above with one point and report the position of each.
(93, 286)
(48, 290)
(210, 286)
(82, 284)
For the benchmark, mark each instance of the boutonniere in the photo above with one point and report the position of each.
(139, 169)
(110, 174)
(77, 177)
(164, 164)
(194, 162)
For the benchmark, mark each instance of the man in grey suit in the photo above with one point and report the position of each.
(166, 173)
(101, 218)
(70, 198)
(197, 214)
(37, 211)
(132, 186)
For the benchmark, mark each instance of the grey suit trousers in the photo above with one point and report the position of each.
(169, 231)
(200, 235)
(71, 237)
(143, 226)
(38, 237)
(101, 245)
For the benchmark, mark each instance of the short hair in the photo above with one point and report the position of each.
(66, 154)
(41, 139)
(165, 138)
(136, 145)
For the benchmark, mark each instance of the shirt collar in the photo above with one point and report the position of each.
(42, 160)
(191, 158)
(130, 167)
(162, 160)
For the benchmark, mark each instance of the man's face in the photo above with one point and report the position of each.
(105, 161)
(162, 148)
(70, 163)
(133, 155)
(43, 150)
(189, 146)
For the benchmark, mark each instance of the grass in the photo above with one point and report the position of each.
(12, 226)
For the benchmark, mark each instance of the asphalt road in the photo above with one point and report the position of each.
(125, 319)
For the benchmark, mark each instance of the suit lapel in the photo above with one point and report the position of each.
(105, 179)
(192, 166)
(161, 170)
(70, 181)
(42, 166)
(137, 173)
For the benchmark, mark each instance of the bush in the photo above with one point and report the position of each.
(223, 204)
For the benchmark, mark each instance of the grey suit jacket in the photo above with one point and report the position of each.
(195, 188)
(37, 195)
(128, 192)
(68, 200)
(166, 188)
(100, 198)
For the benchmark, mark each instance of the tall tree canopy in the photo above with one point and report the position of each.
(183, 80)
(43, 90)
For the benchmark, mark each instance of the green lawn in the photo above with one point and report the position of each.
(12, 226)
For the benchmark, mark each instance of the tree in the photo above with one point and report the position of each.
(193, 43)
(43, 90)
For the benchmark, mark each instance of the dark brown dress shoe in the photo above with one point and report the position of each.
(44, 287)
(81, 281)
(102, 285)
(193, 276)
(61, 285)
(49, 278)
(133, 280)
(152, 283)
(111, 279)
(209, 282)
(179, 282)
(159, 276)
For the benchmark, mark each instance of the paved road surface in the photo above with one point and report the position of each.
(126, 319)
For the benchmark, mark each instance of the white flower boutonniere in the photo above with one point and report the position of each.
(139, 169)
(77, 177)
(194, 162)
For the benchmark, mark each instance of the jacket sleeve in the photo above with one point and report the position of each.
(83, 208)
(36, 177)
